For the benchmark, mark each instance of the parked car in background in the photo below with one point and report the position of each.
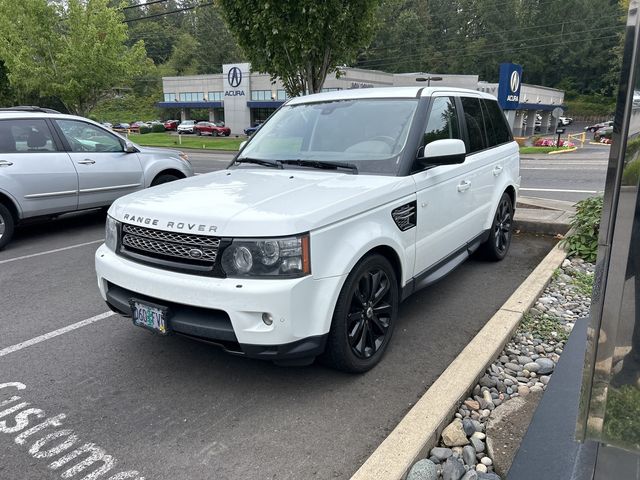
(604, 132)
(212, 128)
(107, 125)
(121, 126)
(188, 126)
(251, 130)
(171, 125)
(54, 163)
(566, 120)
(595, 127)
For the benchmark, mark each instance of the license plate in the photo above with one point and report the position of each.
(153, 317)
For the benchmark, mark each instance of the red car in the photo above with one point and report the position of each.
(171, 124)
(211, 128)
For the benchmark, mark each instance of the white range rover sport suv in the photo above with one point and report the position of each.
(340, 206)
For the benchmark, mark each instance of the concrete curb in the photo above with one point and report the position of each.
(421, 427)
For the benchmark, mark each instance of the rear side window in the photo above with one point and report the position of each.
(443, 120)
(475, 123)
(497, 128)
(25, 135)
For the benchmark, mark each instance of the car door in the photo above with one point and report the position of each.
(441, 191)
(34, 168)
(105, 170)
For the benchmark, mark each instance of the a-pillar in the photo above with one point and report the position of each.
(183, 114)
(546, 122)
(531, 123)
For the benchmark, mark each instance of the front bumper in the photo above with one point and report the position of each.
(228, 311)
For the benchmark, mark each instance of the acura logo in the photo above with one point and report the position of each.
(195, 253)
(514, 82)
(234, 77)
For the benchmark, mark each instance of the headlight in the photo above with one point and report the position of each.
(111, 233)
(267, 257)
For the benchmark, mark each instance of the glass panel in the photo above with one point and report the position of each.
(84, 137)
(25, 136)
(443, 120)
(475, 123)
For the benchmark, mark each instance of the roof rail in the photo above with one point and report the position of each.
(28, 108)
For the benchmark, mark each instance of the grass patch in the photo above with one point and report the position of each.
(541, 149)
(583, 282)
(546, 328)
(188, 141)
(622, 418)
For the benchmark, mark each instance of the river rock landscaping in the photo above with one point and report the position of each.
(524, 367)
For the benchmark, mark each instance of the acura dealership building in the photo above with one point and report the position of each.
(240, 97)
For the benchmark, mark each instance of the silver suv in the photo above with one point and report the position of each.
(52, 163)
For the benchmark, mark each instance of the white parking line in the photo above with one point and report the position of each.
(55, 333)
(15, 259)
(557, 190)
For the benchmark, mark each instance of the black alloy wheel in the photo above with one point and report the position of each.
(364, 317)
(214, 133)
(497, 246)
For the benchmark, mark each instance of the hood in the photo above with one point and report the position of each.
(156, 150)
(258, 202)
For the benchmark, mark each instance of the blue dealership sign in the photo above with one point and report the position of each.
(509, 85)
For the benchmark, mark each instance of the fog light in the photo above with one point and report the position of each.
(267, 318)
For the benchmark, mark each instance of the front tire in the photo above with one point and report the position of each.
(164, 178)
(7, 226)
(365, 316)
(497, 245)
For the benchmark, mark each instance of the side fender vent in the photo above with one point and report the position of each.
(405, 216)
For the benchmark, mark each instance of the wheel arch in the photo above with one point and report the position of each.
(8, 202)
(168, 171)
(390, 254)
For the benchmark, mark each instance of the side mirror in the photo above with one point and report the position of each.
(129, 147)
(242, 144)
(442, 152)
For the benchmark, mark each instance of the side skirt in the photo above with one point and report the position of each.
(444, 266)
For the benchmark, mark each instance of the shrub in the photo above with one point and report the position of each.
(582, 240)
(157, 128)
(144, 129)
(631, 173)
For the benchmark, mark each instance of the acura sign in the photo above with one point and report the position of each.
(234, 77)
(509, 86)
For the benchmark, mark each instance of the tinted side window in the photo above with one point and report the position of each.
(443, 120)
(497, 123)
(475, 123)
(25, 135)
(84, 137)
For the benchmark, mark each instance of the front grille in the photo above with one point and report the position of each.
(169, 249)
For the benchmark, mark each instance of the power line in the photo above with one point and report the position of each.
(155, 15)
(395, 58)
(143, 4)
(487, 52)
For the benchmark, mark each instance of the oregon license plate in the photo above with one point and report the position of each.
(153, 317)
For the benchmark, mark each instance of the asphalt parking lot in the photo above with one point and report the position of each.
(137, 405)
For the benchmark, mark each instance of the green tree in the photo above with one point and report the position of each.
(300, 41)
(74, 51)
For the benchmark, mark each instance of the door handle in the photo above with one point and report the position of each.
(86, 161)
(5, 163)
(464, 185)
(497, 170)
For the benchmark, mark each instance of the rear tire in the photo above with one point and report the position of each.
(214, 133)
(497, 245)
(164, 178)
(7, 226)
(364, 317)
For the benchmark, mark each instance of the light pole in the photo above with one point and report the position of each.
(428, 80)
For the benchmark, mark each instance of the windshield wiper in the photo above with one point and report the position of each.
(321, 164)
(260, 161)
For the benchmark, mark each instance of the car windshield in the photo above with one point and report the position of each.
(367, 133)
(188, 122)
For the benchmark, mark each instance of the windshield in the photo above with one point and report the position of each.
(368, 133)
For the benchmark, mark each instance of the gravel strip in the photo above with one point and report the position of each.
(524, 366)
